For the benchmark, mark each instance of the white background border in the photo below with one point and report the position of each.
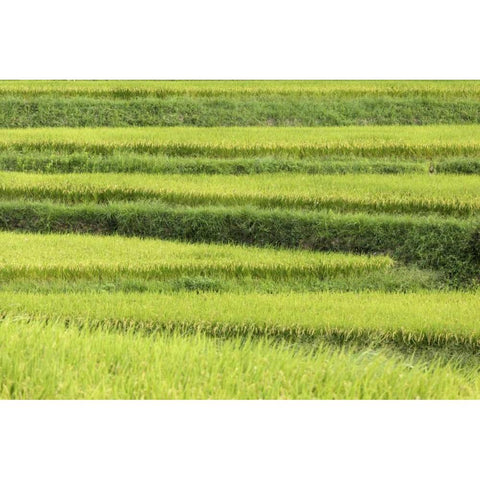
(232, 39)
(239, 440)
(187, 39)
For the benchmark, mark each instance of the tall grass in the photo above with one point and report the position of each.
(51, 362)
(448, 244)
(247, 110)
(405, 319)
(335, 89)
(83, 256)
(299, 142)
(415, 194)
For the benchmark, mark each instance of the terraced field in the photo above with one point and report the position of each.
(239, 239)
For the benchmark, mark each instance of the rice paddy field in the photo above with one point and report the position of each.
(239, 239)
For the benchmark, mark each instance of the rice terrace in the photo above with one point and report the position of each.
(240, 239)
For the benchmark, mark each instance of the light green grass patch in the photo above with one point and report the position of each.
(161, 88)
(409, 319)
(428, 141)
(72, 257)
(418, 194)
(40, 361)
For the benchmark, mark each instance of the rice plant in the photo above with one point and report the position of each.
(52, 362)
(82, 256)
(408, 320)
(414, 194)
(298, 142)
(335, 88)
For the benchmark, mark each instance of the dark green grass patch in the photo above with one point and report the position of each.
(18, 112)
(450, 245)
(81, 162)
(126, 162)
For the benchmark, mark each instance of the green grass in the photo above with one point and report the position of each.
(54, 162)
(396, 279)
(247, 110)
(127, 162)
(416, 194)
(329, 88)
(409, 320)
(299, 142)
(74, 257)
(450, 245)
(69, 263)
(51, 362)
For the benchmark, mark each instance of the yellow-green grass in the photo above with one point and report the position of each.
(70, 256)
(127, 162)
(410, 193)
(427, 141)
(420, 319)
(432, 242)
(40, 361)
(328, 88)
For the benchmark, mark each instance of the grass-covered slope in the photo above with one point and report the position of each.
(248, 110)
